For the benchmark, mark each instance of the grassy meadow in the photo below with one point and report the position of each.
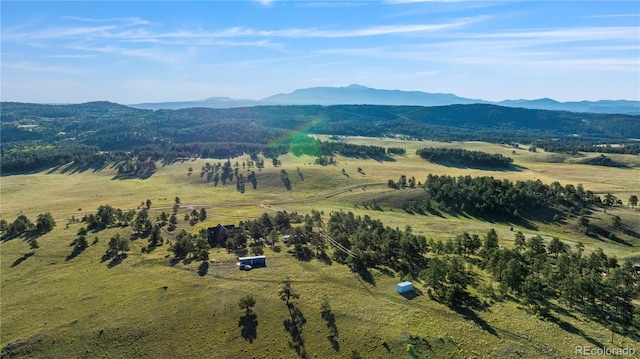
(54, 305)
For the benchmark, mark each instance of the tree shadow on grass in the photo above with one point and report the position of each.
(294, 327)
(330, 321)
(276, 248)
(568, 327)
(367, 276)
(629, 232)
(22, 259)
(152, 247)
(471, 315)
(324, 258)
(77, 249)
(303, 253)
(115, 260)
(203, 268)
(143, 175)
(386, 271)
(560, 310)
(248, 324)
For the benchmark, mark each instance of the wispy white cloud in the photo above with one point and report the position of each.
(419, 1)
(609, 16)
(57, 33)
(391, 46)
(139, 33)
(156, 54)
(370, 31)
(72, 56)
(330, 4)
(131, 21)
(265, 2)
(31, 67)
(516, 48)
(624, 33)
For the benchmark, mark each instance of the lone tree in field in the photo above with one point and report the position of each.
(4, 226)
(609, 200)
(556, 246)
(148, 203)
(33, 244)
(490, 243)
(117, 244)
(287, 295)
(583, 221)
(633, 201)
(330, 320)
(155, 239)
(294, 325)
(45, 223)
(247, 303)
(173, 220)
(248, 323)
(616, 221)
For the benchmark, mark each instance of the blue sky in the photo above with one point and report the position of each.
(142, 51)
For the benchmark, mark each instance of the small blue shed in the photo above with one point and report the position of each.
(257, 261)
(404, 287)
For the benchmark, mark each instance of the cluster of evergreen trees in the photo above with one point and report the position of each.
(23, 225)
(226, 172)
(302, 144)
(362, 242)
(352, 150)
(484, 195)
(136, 167)
(572, 146)
(537, 272)
(396, 150)
(463, 157)
(269, 229)
(188, 246)
(31, 156)
(23, 156)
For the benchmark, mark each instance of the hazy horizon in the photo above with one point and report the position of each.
(136, 52)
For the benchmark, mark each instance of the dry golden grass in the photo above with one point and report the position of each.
(57, 308)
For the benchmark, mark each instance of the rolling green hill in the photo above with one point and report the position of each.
(37, 136)
(148, 304)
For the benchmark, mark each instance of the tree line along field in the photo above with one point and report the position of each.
(148, 306)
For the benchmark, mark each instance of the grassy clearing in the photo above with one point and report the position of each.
(83, 308)
(57, 308)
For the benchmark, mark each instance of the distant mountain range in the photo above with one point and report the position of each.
(357, 94)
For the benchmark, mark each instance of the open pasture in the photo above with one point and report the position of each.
(145, 307)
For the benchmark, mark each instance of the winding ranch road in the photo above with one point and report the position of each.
(268, 205)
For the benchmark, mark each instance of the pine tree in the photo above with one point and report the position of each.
(45, 222)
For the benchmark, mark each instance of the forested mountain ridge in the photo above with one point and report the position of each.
(113, 127)
(382, 120)
(357, 94)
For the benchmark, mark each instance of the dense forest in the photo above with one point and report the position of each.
(487, 197)
(535, 272)
(37, 136)
(460, 157)
(541, 274)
